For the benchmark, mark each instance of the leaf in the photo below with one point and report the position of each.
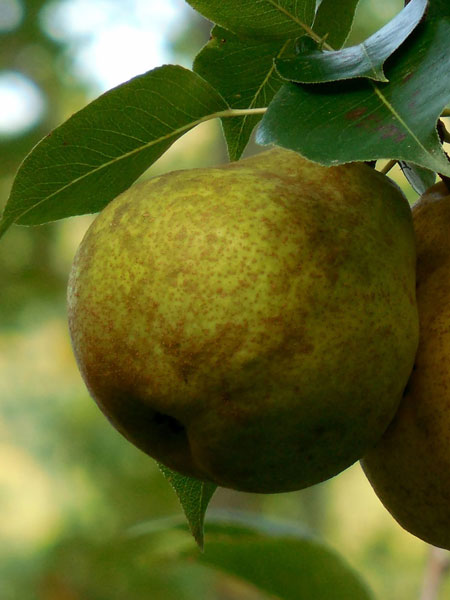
(242, 70)
(439, 8)
(194, 496)
(263, 19)
(365, 60)
(334, 21)
(280, 559)
(419, 178)
(336, 123)
(101, 150)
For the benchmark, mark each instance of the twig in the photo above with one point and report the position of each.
(239, 112)
(437, 567)
(445, 133)
(388, 166)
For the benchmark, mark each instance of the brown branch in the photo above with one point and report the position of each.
(437, 567)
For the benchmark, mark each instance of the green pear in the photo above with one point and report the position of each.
(252, 325)
(410, 467)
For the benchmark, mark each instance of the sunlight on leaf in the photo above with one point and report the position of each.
(365, 60)
(265, 19)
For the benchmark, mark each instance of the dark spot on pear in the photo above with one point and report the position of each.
(168, 422)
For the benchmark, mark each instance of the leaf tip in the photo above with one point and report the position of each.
(380, 77)
(199, 540)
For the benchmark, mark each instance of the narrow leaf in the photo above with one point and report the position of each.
(101, 150)
(419, 178)
(364, 60)
(242, 70)
(358, 120)
(194, 496)
(280, 559)
(264, 19)
(334, 21)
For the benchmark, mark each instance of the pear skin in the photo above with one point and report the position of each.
(409, 468)
(252, 325)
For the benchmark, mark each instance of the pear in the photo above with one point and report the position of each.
(410, 467)
(254, 324)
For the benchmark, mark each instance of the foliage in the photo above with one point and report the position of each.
(277, 64)
(101, 150)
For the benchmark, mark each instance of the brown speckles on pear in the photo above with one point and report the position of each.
(217, 308)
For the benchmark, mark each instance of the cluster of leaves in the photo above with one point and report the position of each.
(274, 60)
(278, 64)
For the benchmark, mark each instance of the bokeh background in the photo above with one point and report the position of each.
(70, 485)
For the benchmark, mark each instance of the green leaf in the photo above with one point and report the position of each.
(334, 21)
(358, 120)
(194, 496)
(419, 178)
(101, 150)
(264, 19)
(242, 70)
(365, 60)
(439, 8)
(280, 559)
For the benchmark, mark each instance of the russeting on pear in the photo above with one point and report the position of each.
(254, 324)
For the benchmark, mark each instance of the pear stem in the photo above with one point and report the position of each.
(437, 567)
(388, 166)
(239, 112)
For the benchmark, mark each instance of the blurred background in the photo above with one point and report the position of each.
(70, 486)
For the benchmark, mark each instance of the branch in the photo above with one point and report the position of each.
(437, 567)
(388, 166)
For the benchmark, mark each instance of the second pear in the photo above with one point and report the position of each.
(410, 467)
